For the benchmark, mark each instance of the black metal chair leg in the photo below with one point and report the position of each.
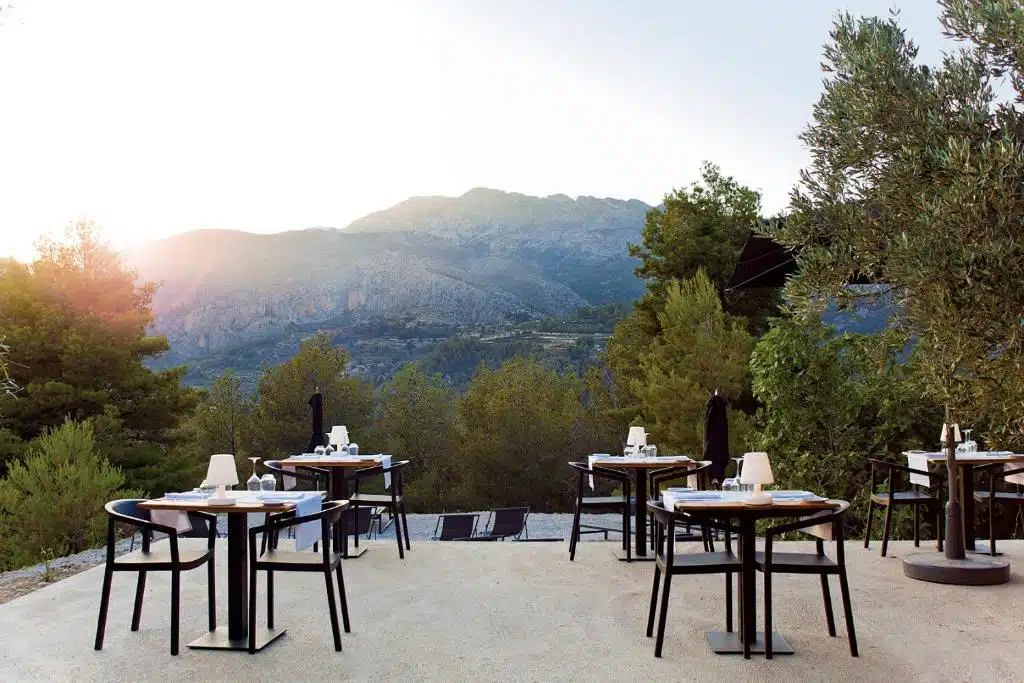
(140, 592)
(270, 599)
(575, 535)
(344, 600)
(991, 528)
(252, 608)
(175, 608)
(101, 622)
(940, 523)
(405, 528)
(867, 528)
(844, 587)
(662, 617)
(334, 611)
(767, 613)
(654, 601)
(885, 529)
(917, 526)
(398, 537)
(212, 593)
(827, 597)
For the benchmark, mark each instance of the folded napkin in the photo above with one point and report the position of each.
(176, 519)
(289, 482)
(308, 533)
(590, 463)
(794, 495)
(187, 495)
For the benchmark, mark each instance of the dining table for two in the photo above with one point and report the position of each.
(640, 467)
(236, 635)
(722, 506)
(338, 468)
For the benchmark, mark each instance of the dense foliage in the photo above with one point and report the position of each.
(915, 183)
(831, 401)
(51, 503)
(75, 322)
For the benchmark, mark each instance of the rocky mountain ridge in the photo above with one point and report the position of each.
(482, 258)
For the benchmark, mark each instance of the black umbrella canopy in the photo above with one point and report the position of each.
(316, 402)
(716, 436)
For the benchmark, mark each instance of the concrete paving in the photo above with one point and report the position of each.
(523, 612)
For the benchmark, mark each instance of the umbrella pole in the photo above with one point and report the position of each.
(954, 525)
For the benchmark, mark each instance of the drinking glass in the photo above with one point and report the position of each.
(268, 482)
(253, 483)
(969, 445)
(739, 467)
(319, 450)
(730, 484)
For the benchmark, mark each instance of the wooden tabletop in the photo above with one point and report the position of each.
(624, 463)
(330, 462)
(242, 504)
(975, 458)
(740, 508)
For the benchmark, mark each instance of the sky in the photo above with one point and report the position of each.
(153, 118)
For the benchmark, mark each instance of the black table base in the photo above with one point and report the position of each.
(338, 485)
(220, 640)
(728, 643)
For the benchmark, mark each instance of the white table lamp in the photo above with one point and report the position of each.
(757, 470)
(221, 473)
(637, 437)
(338, 436)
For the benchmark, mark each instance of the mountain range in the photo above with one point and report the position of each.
(483, 258)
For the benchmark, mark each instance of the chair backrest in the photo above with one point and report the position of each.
(918, 461)
(127, 510)
(509, 521)
(303, 473)
(457, 526)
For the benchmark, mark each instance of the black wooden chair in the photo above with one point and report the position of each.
(657, 478)
(172, 560)
(668, 564)
(992, 497)
(823, 526)
(274, 560)
(918, 494)
(612, 503)
(507, 523)
(455, 527)
(393, 500)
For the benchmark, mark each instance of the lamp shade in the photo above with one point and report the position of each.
(338, 436)
(757, 469)
(637, 437)
(221, 471)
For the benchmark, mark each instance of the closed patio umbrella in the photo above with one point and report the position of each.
(316, 402)
(716, 436)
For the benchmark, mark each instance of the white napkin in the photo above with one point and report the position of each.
(289, 482)
(175, 519)
(590, 464)
(919, 461)
(309, 533)
(386, 461)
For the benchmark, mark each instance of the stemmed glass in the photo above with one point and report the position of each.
(253, 483)
(739, 467)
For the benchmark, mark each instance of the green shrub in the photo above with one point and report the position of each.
(830, 403)
(51, 504)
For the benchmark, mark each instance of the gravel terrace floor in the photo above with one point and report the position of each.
(523, 612)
